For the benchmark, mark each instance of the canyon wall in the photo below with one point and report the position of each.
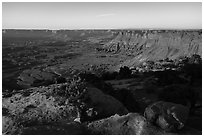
(155, 45)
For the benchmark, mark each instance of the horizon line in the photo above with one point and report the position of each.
(102, 29)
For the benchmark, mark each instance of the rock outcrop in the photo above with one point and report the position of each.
(54, 104)
(104, 105)
(130, 124)
(35, 77)
(38, 106)
(71, 108)
(155, 45)
(168, 116)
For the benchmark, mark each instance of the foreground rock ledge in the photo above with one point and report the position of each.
(130, 124)
(45, 111)
(44, 106)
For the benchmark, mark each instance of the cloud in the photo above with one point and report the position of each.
(105, 15)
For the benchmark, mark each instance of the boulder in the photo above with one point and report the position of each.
(168, 116)
(130, 124)
(102, 105)
(35, 77)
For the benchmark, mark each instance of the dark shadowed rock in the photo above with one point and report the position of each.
(168, 116)
(104, 105)
(35, 77)
(130, 124)
(189, 131)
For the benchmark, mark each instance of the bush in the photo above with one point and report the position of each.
(74, 89)
(89, 77)
(195, 59)
(124, 72)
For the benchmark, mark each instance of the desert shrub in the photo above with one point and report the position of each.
(150, 63)
(124, 72)
(75, 88)
(89, 77)
(98, 70)
(195, 59)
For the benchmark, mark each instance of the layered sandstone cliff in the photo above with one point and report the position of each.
(155, 45)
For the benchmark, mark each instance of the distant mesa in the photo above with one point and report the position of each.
(155, 45)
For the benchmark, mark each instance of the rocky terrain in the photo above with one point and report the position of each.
(109, 82)
(155, 45)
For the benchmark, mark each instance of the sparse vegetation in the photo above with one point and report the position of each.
(68, 81)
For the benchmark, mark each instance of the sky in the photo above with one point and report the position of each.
(104, 15)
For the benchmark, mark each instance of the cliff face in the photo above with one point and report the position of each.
(155, 45)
